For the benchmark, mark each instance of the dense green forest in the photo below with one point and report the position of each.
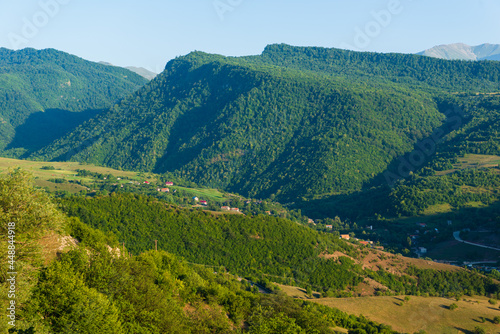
(444, 177)
(295, 124)
(243, 245)
(262, 247)
(95, 287)
(403, 69)
(365, 137)
(257, 129)
(42, 90)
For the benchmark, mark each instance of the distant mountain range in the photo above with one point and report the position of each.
(138, 70)
(460, 51)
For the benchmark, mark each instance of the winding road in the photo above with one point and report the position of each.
(456, 235)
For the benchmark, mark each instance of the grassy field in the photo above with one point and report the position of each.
(62, 169)
(473, 161)
(431, 314)
(437, 209)
(68, 171)
(203, 193)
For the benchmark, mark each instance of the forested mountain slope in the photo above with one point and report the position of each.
(404, 69)
(462, 170)
(265, 248)
(62, 276)
(50, 86)
(293, 122)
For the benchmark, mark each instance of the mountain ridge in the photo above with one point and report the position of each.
(145, 73)
(221, 96)
(35, 81)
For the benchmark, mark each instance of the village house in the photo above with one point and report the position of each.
(345, 236)
(329, 226)
(235, 209)
(227, 208)
(169, 183)
(204, 203)
(195, 199)
(164, 190)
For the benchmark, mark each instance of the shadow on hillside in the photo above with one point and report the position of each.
(42, 128)
(373, 196)
(423, 150)
(462, 330)
(364, 205)
(197, 121)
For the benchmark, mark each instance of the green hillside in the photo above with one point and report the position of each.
(46, 93)
(454, 188)
(402, 69)
(330, 132)
(462, 168)
(70, 278)
(265, 248)
(293, 123)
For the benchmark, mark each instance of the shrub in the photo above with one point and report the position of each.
(479, 330)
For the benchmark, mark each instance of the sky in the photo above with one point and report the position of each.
(148, 33)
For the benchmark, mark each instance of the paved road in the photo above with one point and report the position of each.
(456, 235)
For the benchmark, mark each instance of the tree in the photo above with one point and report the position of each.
(309, 291)
(265, 321)
(357, 331)
(29, 208)
(453, 307)
(479, 330)
(69, 306)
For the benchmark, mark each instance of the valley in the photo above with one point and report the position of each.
(341, 183)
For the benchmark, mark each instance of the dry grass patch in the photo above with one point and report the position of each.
(53, 244)
(431, 314)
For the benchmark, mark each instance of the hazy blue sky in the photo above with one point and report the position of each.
(148, 33)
